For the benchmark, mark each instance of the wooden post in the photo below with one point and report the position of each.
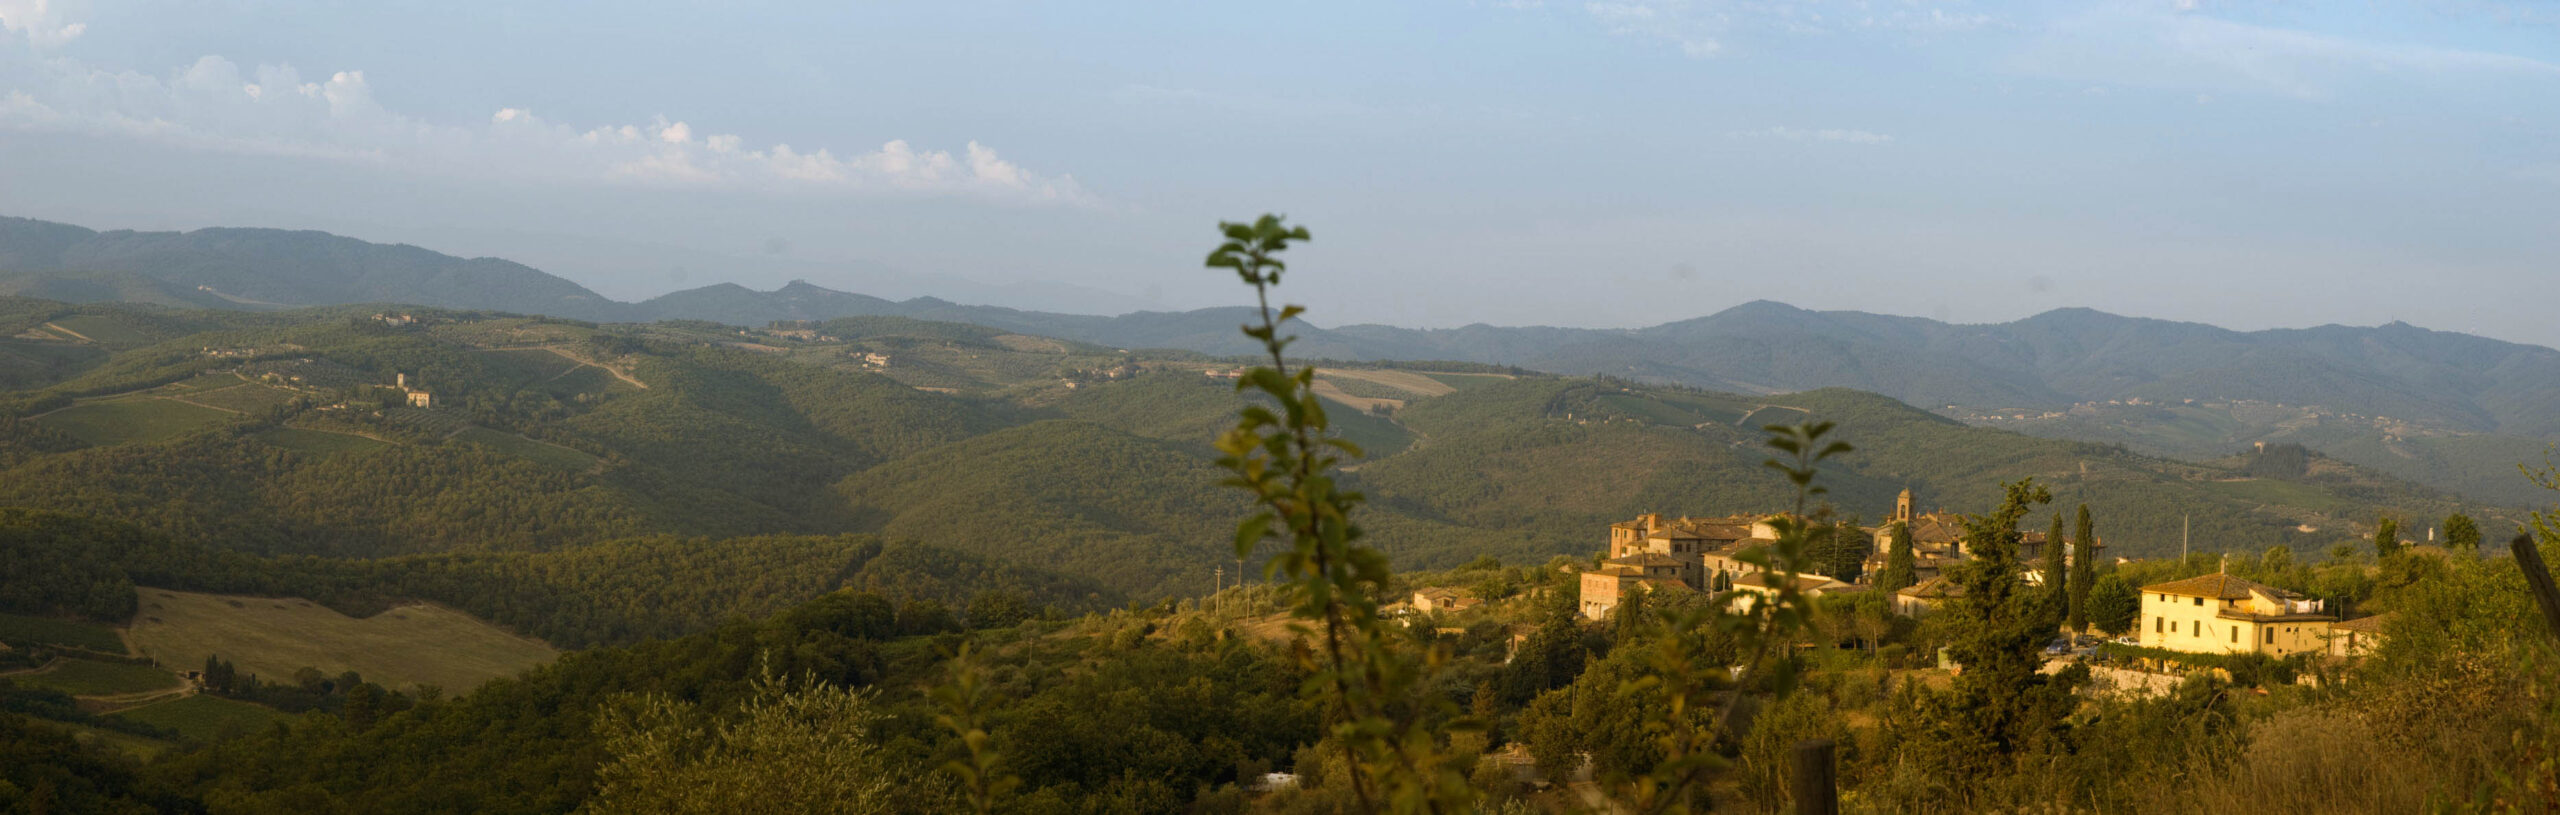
(1816, 788)
(2537, 577)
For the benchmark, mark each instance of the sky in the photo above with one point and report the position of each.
(1603, 164)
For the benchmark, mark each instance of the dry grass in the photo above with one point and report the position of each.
(2314, 760)
(400, 648)
(1335, 393)
(1399, 380)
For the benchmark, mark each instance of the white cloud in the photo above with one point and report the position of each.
(42, 22)
(214, 105)
(1702, 28)
(1697, 31)
(1830, 135)
(2150, 47)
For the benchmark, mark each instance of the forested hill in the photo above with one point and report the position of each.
(283, 434)
(2050, 361)
(267, 268)
(2453, 411)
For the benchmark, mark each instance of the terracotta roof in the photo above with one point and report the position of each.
(1662, 583)
(2216, 586)
(1934, 588)
(2366, 625)
(2282, 594)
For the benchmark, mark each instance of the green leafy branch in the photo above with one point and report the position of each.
(1283, 453)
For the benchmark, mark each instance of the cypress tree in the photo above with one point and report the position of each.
(2386, 537)
(2001, 705)
(2084, 569)
(1900, 571)
(2056, 581)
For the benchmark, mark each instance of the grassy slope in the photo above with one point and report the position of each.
(403, 647)
(205, 718)
(81, 677)
(23, 630)
(122, 421)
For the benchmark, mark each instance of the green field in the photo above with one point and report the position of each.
(205, 718)
(244, 397)
(131, 420)
(1465, 381)
(201, 383)
(103, 330)
(535, 364)
(511, 444)
(319, 441)
(129, 744)
(1656, 411)
(270, 637)
(2288, 493)
(80, 677)
(18, 630)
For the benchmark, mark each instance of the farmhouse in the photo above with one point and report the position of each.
(1925, 598)
(1444, 599)
(1605, 587)
(418, 397)
(2222, 614)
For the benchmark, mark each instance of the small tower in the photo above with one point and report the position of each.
(402, 380)
(1902, 506)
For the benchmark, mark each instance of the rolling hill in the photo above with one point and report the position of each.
(281, 434)
(2452, 411)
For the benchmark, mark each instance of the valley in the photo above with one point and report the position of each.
(216, 521)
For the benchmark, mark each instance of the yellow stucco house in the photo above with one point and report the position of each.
(2222, 614)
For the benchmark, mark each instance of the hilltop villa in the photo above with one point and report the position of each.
(2222, 614)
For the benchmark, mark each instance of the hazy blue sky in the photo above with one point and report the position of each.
(1593, 163)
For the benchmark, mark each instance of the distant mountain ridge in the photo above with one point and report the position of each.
(2049, 362)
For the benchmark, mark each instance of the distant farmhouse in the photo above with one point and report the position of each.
(1653, 553)
(418, 396)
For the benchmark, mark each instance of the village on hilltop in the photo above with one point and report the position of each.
(2207, 614)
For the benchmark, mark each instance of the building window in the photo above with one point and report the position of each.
(2235, 634)
(2199, 629)
(2271, 636)
(2199, 601)
(2159, 624)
